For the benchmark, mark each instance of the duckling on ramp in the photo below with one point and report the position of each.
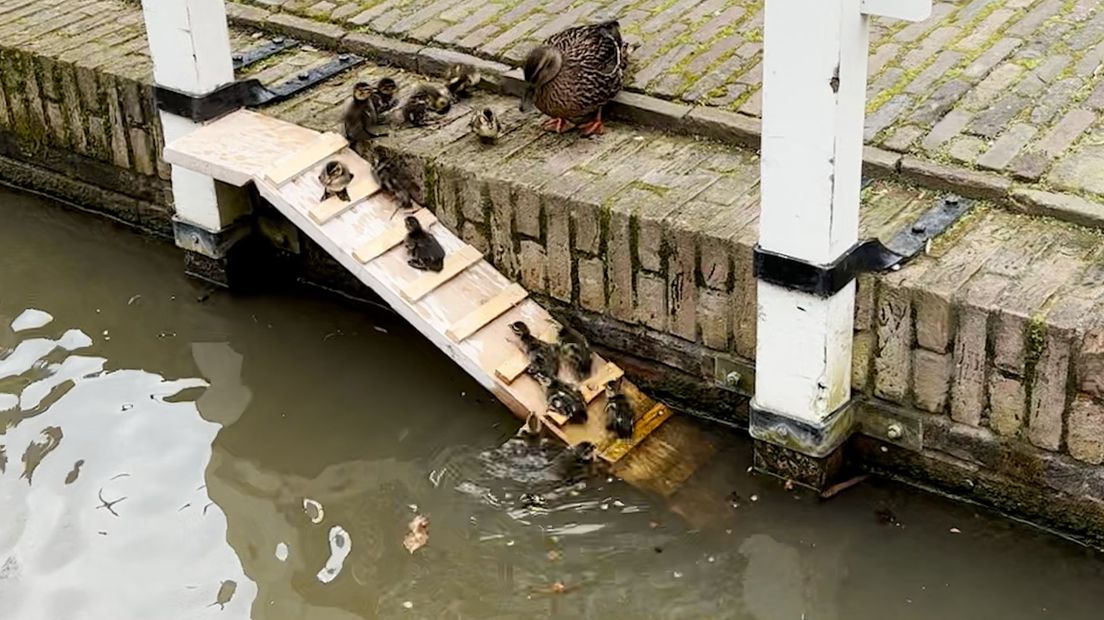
(465, 308)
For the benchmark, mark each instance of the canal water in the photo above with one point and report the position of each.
(171, 452)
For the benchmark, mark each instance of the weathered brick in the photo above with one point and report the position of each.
(501, 227)
(1058, 96)
(1048, 392)
(1030, 166)
(1080, 170)
(983, 31)
(1034, 18)
(935, 71)
(938, 103)
(990, 122)
(397, 53)
(1066, 207)
(966, 149)
(995, 84)
(893, 362)
(1069, 129)
(1090, 363)
(619, 265)
(1007, 146)
(970, 367)
(881, 57)
(885, 116)
(931, 379)
(516, 33)
(682, 288)
(981, 65)
(1006, 404)
(592, 284)
(951, 125)
(862, 354)
(534, 266)
(953, 178)
(476, 236)
(142, 150)
(306, 29)
(745, 311)
(713, 318)
(651, 301)
(558, 248)
(1086, 431)
(452, 34)
(902, 138)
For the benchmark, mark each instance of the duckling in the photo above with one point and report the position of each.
(461, 79)
(362, 115)
(575, 352)
(574, 74)
(485, 126)
(393, 179)
(619, 415)
(423, 100)
(423, 250)
(335, 178)
(561, 397)
(542, 355)
(383, 95)
(532, 427)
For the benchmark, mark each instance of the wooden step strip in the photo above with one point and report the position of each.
(512, 367)
(362, 187)
(479, 318)
(645, 424)
(596, 383)
(455, 263)
(298, 162)
(391, 237)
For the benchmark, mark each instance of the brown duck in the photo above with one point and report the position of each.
(574, 74)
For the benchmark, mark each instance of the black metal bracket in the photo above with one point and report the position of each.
(262, 52)
(815, 440)
(870, 255)
(248, 93)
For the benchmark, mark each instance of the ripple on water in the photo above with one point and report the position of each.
(92, 508)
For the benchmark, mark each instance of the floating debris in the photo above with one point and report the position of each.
(340, 546)
(38, 450)
(133, 300)
(282, 552)
(314, 510)
(886, 517)
(838, 488)
(418, 535)
(955, 530)
(408, 605)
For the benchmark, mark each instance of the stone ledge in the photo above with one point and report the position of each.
(721, 125)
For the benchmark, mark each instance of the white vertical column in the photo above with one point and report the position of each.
(190, 45)
(814, 88)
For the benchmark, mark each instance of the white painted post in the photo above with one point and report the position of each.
(814, 89)
(190, 45)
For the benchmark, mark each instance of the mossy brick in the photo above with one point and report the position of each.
(142, 151)
(47, 78)
(120, 151)
(1071, 127)
(1080, 171)
(1005, 149)
(913, 31)
(308, 30)
(534, 266)
(436, 61)
(71, 107)
(511, 36)
(946, 129)
(968, 384)
(934, 300)
(648, 111)
(475, 235)
(994, 85)
(745, 313)
(1049, 392)
(990, 122)
(934, 72)
(862, 354)
(1066, 207)
(558, 249)
(501, 226)
(1090, 361)
(447, 199)
(981, 34)
(55, 121)
(36, 111)
(1006, 404)
(619, 267)
(1035, 18)
(968, 183)
(244, 15)
(592, 284)
(885, 115)
(527, 212)
(453, 34)
(1085, 440)
(980, 66)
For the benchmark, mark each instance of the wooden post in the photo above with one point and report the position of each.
(814, 87)
(190, 45)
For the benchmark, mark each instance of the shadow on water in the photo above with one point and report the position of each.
(162, 457)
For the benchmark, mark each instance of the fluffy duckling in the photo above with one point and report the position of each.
(335, 178)
(574, 74)
(542, 355)
(532, 427)
(422, 249)
(485, 126)
(383, 95)
(425, 99)
(561, 397)
(362, 115)
(619, 415)
(460, 81)
(575, 352)
(394, 179)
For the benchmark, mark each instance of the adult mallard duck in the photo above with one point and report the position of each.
(574, 74)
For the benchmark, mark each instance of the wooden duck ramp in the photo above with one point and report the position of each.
(465, 310)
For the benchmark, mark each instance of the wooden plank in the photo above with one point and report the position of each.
(360, 189)
(298, 162)
(391, 237)
(644, 427)
(454, 264)
(596, 383)
(494, 308)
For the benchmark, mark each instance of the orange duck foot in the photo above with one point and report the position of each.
(593, 127)
(557, 125)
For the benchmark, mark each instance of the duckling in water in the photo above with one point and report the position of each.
(422, 249)
(542, 355)
(561, 397)
(383, 95)
(335, 178)
(362, 115)
(574, 74)
(619, 415)
(460, 80)
(425, 99)
(532, 427)
(485, 126)
(575, 352)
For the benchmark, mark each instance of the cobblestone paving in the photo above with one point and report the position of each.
(1012, 86)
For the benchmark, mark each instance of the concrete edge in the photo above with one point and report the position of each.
(674, 117)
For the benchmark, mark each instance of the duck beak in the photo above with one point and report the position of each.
(527, 99)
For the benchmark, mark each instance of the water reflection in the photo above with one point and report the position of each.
(263, 457)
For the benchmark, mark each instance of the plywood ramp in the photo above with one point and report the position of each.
(465, 310)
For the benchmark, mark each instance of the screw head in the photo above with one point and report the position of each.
(894, 431)
(237, 57)
(919, 229)
(343, 58)
(278, 40)
(732, 379)
(303, 76)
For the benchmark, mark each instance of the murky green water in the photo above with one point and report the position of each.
(160, 452)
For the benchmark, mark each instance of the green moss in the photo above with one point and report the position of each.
(754, 35)
(431, 189)
(658, 190)
(1034, 341)
(952, 235)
